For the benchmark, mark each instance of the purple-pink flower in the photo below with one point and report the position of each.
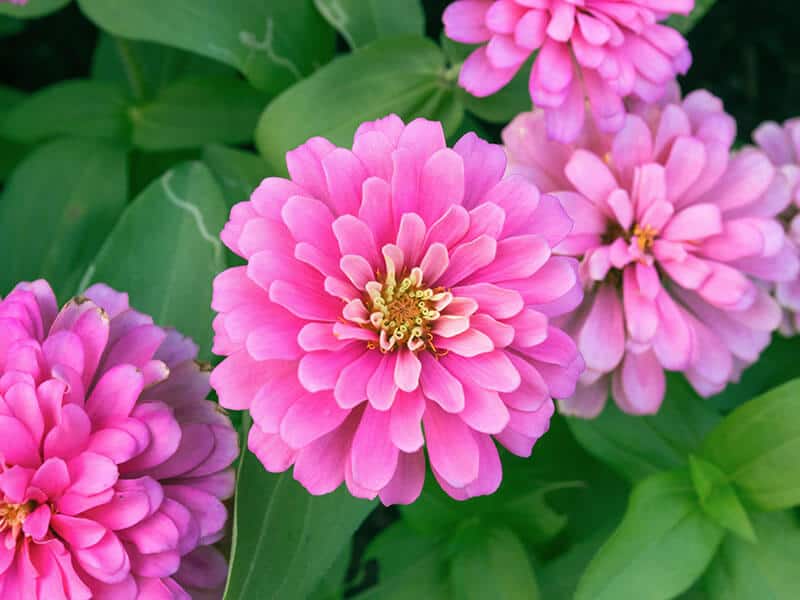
(113, 465)
(397, 287)
(673, 233)
(603, 50)
(782, 145)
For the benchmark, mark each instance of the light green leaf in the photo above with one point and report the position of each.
(79, 107)
(56, 209)
(34, 8)
(718, 498)
(766, 570)
(637, 447)
(238, 172)
(492, 563)
(684, 24)
(363, 21)
(410, 566)
(758, 448)
(285, 540)
(662, 546)
(165, 251)
(403, 76)
(273, 43)
(195, 111)
(144, 68)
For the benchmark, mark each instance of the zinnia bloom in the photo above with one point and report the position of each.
(601, 49)
(112, 463)
(782, 145)
(671, 229)
(396, 286)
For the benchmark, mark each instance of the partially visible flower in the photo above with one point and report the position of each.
(782, 145)
(674, 235)
(113, 464)
(395, 287)
(603, 50)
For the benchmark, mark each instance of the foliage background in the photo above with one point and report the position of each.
(131, 187)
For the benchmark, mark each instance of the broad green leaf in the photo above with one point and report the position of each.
(662, 546)
(238, 172)
(684, 24)
(165, 251)
(637, 447)
(10, 152)
(273, 43)
(10, 25)
(56, 209)
(285, 540)
(196, 111)
(144, 68)
(492, 563)
(363, 21)
(331, 585)
(766, 570)
(79, 107)
(758, 448)
(718, 498)
(410, 566)
(146, 167)
(559, 577)
(400, 75)
(34, 8)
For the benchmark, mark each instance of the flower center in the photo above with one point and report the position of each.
(403, 312)
(645, 237)
(12, 516)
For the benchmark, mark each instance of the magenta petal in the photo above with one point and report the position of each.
(373, 455)
(406, 483)
(452, 450)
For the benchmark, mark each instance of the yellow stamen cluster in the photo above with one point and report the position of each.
(12, 516)
(645, 237)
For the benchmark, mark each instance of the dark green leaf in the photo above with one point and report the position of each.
(237, 171)
(285, 540)
(273, 43)
(764, 571)
(57, 208)
(758, 448)
(663, 544)
(195, 111)
(10, 25)
(331, 585)
(559, 577)
(165, 251)
(10, 152)
(363, 21)
(410, 566)
(718, 498)
(79, 107)
(34, 8)
(640, 446)
(685, 24)
(403, 76)
(493, 563)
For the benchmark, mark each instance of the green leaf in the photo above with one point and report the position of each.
(10, 26)
(331, 585)
(559, 577)
(403, 76)
(10, 152)
(718, 498)
(684, 24)
(663, 544)
(80, 107)
(410, 566)
(196, 111)
(492, 563)
(766, 570)
(758, 448)
(237, 171)
(144, 68)
(637, 447)
(363, 21)
(57, 208)
(273, 43)
(34, 8)
(285, 540)
(165, 251)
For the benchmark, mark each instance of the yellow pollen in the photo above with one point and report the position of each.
(645, 237)
(12, 516)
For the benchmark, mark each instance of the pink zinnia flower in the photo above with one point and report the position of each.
(670, 229)
(782, 145)
(601, 49)
(398, 285)
(112, 463)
